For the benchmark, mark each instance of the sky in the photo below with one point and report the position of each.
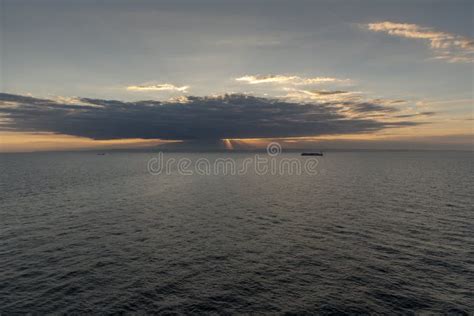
(334, 74)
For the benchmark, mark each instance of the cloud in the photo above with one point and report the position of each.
(355, 104)
(427, 113)
(157, 87)
(216, 117)
(303, 95)
(326, 92)
(366, 107)
(447, 46)
(283, 79)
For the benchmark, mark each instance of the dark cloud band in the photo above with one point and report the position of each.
(229, 116)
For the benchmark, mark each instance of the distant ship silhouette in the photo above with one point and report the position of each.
(312, 154)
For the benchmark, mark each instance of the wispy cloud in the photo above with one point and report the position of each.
(157, 87)
(447, 46)
(285, 79)
(304, 95)
(427, 113)
(354, 104)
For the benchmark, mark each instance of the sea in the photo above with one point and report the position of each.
(366, 232)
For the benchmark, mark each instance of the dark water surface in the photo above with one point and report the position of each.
(373, 232)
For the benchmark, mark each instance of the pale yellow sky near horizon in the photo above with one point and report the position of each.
(28, 142)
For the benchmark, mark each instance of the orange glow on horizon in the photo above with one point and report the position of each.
(30, 142)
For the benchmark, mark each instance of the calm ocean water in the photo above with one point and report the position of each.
(372, 232)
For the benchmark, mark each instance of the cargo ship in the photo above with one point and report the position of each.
(312, 154)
